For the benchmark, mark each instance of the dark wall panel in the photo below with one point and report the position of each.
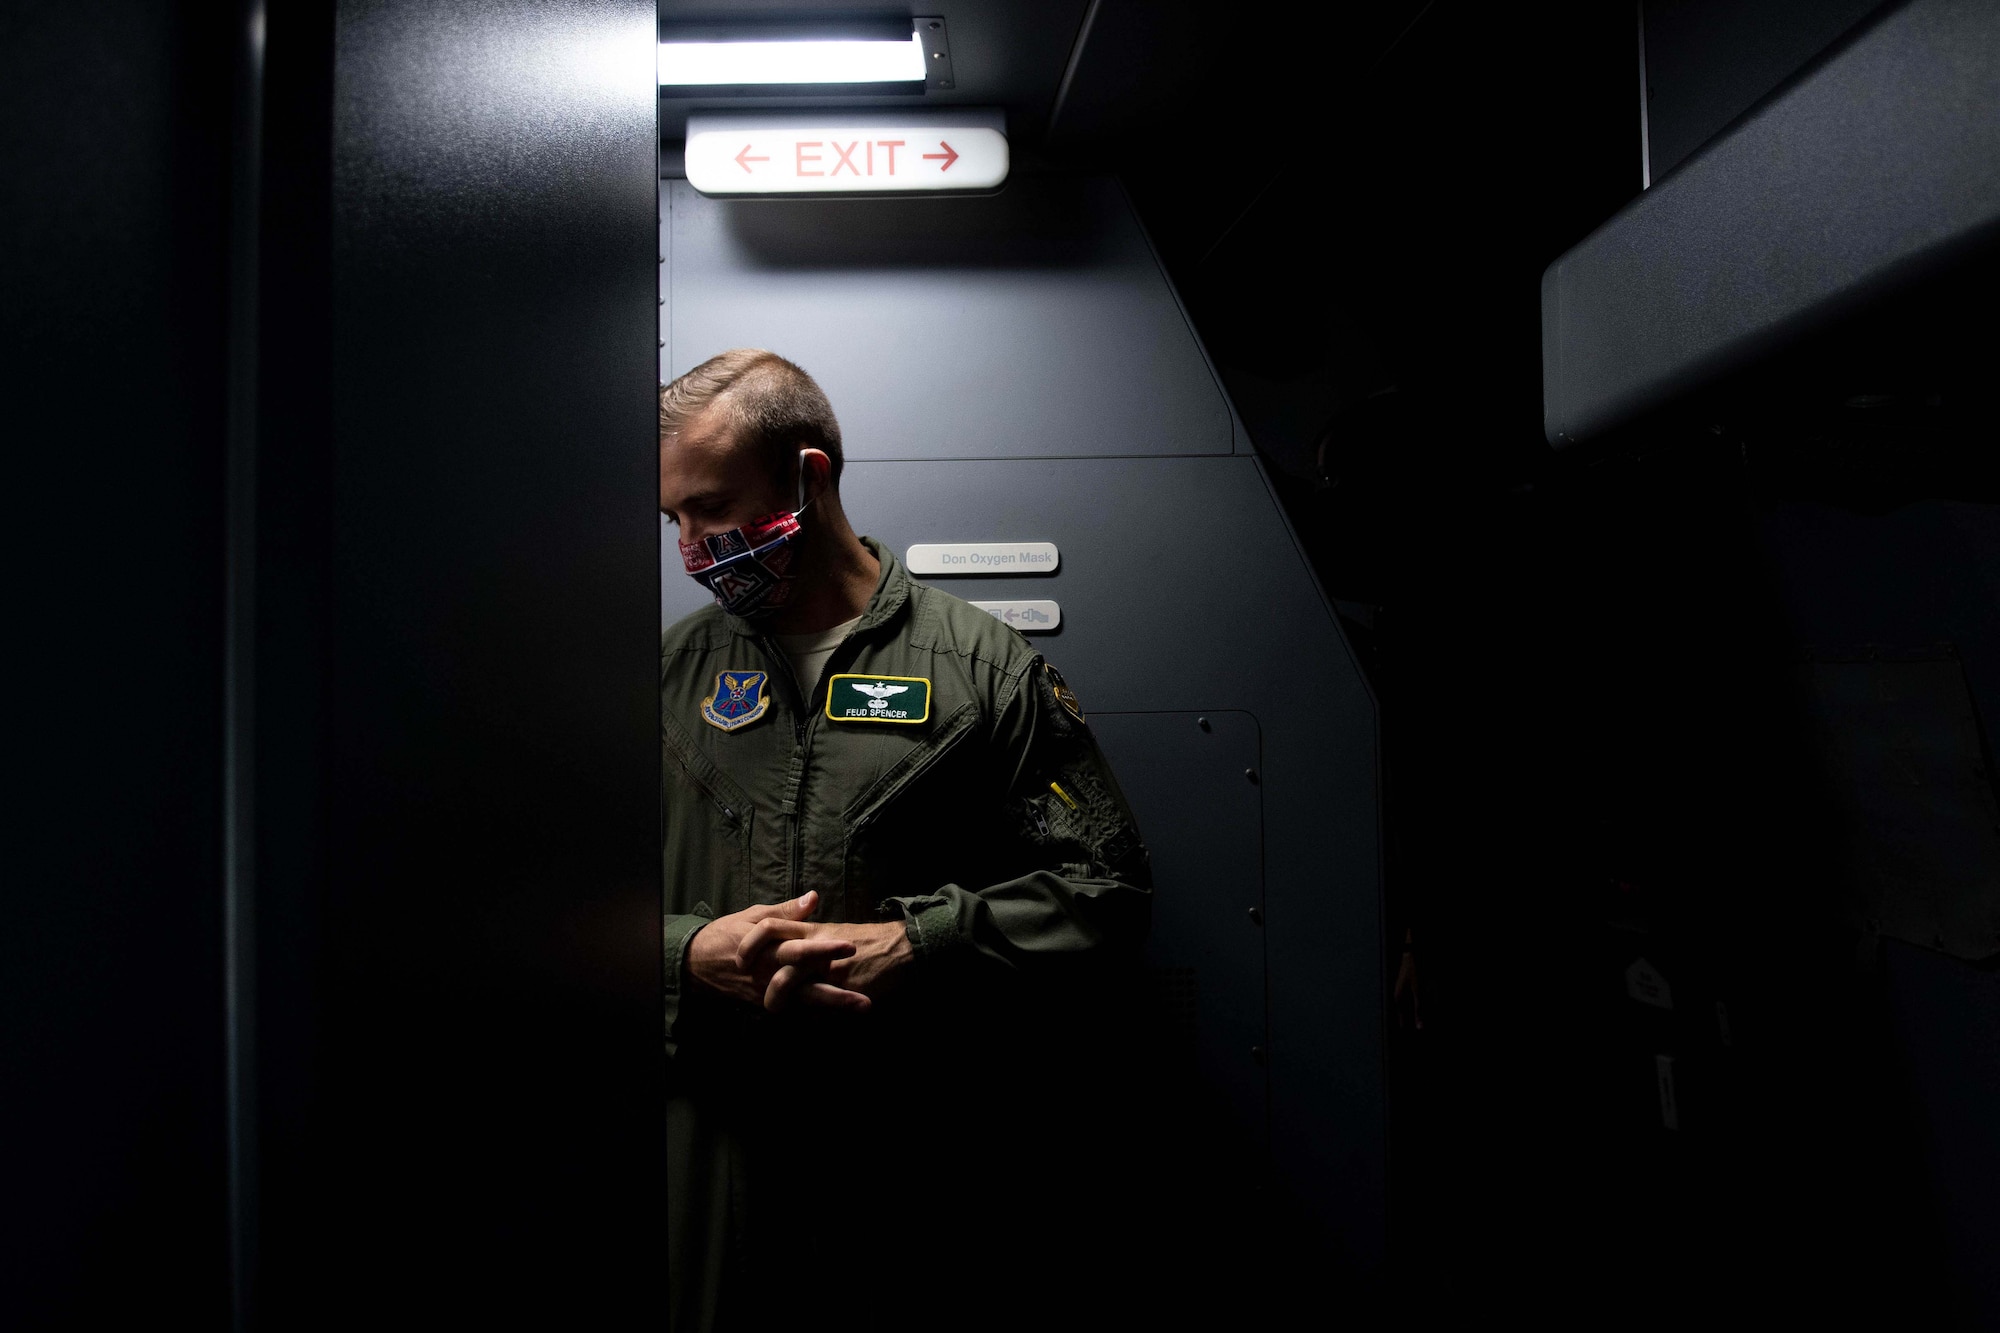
(1863, 178)
(1709, 61)
(1946, 1018)
(476, 1055)
(114, 127)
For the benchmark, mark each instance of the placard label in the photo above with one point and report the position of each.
(983, 558)
(1027, 617)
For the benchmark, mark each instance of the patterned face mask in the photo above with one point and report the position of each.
(749, 569)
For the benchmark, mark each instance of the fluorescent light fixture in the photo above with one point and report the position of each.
(749, 63)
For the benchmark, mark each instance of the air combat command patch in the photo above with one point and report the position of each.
(737, 701)
(878, 699)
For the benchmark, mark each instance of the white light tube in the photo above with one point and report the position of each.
(683, 63)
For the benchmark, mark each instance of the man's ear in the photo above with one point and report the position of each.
(815, 475)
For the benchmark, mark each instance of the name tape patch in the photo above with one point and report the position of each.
(878, 699)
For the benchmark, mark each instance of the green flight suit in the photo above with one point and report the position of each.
(902, 1150)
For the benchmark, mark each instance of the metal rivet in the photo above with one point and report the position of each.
(1251, 774)
(1202, 722)
(1259, 1054)
(1257, 915)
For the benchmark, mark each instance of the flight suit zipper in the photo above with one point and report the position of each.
(795, 780)
(805, 717)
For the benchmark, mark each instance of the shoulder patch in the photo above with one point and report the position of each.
(905, 699)
(738, 699)
(1064, 695)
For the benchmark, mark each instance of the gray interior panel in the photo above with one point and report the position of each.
(1033, 323)
(1709, 61)
(1203, 821)
(1888, 171)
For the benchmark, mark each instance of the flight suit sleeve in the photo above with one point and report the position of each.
(1090, 893)
(680, 930)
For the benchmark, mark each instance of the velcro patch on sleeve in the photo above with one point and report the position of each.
(1060, 707)
(1064, 695)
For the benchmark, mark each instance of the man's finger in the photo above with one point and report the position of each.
(795, 908)
(821, 995)
(785, 982)
(803, 982)
(819, 950)
(764, 935)
(800, 960)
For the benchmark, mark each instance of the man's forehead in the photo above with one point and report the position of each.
(701, 466)
(697, 476)
(707, 431)
(699, 446)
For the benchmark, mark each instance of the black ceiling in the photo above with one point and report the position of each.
(1113, 73)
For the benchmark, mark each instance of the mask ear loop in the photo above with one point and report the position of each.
(802, 485)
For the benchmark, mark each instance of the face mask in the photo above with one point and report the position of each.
(749, 568)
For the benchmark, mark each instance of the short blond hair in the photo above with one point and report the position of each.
(773, 406)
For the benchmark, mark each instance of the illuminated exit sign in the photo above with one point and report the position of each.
(867, 155)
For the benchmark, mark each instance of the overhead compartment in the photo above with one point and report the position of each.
(1876, 170)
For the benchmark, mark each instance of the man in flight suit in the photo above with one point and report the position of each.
(902, 889)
